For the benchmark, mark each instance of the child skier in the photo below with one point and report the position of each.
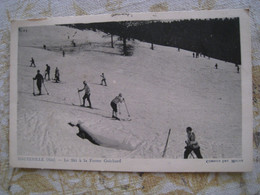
(87, 94)
(39, 81)
(114, 102)
(192, 144)
(103, 79)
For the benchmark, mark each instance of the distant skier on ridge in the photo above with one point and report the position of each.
(238, 69)
(39, 81)
(87, 94)
(103, 79)
(192, 144)
(114, 102)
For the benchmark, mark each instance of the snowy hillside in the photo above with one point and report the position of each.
(163, 89)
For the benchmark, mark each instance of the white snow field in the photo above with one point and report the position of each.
(163, 88)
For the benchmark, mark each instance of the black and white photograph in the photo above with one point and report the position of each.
(122, 93)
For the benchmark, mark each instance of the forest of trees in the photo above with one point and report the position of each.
(217, 38)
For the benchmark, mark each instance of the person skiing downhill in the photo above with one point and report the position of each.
(32, 63)
(39, 81)
(114, 102)
(192, 144)
(47, 72)
(87, 94)
(103, 79)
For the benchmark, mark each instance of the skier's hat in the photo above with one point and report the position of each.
(120, 94)
(188, 129)
(84, 82)
(38, 70)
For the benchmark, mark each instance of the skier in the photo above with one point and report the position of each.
(238, 68)
(114, 102)
(32, 63)
(192, 144)
(63, 53)
(87, 94)
(73, 43)
(44, 47)
(216, 66)
(39, 80)
(57, 75)
(47, 72)
(103, 79)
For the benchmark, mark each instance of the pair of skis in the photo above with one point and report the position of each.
(43, 86)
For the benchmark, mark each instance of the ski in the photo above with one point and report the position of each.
(116, 118)
(121, 119)
(84, 106)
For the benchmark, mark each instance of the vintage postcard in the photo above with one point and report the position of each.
(144, 92)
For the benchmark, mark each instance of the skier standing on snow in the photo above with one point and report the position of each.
(192, 144)
(114, 102)
(103, 79)
(47, 72)
(57, 75)
(39, 81)
(238, 68)
(216, 66)
(87, 94)
(32, 63)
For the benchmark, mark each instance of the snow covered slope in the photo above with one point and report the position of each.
(163, 89)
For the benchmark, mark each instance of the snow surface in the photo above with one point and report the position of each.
(163, 89)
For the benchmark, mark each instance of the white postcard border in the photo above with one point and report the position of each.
(143, 165)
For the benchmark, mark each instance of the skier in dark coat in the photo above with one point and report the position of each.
(32, 63)
(39, 81)
(216, 66)
(113, 104)
(47, 72)
(87, 94)
(57, 75)
(103, 79)
(192, 144)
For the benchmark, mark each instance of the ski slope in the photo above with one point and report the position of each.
(163, 89)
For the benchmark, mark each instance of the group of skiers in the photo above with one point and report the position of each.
(40, 79)
(113, 103)
(191, 144)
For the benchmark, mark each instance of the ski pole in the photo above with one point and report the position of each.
(126, 109)
(79, 97)
(45, 89)
(165, 148)
(33, 88)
